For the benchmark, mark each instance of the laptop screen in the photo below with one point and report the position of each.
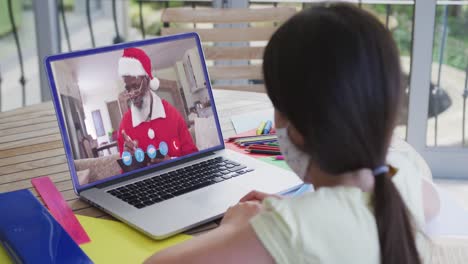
(132, 107)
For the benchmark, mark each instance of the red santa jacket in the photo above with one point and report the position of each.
(172, 129)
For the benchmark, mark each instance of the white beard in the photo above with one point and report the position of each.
(141, 114)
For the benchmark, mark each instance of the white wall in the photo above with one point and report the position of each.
(96, 99)
(200, 95)
(167, 73)
(65, 80)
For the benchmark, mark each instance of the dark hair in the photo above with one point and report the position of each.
(335, 73)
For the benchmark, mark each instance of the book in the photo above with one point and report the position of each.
(115, 242)
(30, 234)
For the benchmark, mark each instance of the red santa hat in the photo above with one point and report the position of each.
(135, 62)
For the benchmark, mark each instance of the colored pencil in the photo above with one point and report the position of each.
(266, 149)
(233, 138)
(267, 127)
(268, 152)
(263, 147)
(261, 127)
(258, 138)
(255, 143)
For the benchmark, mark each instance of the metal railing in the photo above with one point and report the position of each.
(90, 25)
(117, 37)
(62, 14)
(445, 32)
(465, 96)
(22, 79)
(65, 25)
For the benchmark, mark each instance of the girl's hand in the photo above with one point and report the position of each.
(240, 214)
(258, 196)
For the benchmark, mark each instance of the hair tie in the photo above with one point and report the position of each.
(381, 170)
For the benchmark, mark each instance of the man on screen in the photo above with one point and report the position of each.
(151, 123)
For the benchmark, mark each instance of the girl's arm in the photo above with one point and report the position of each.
(233, 242)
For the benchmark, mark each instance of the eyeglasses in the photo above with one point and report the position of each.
(133, 90)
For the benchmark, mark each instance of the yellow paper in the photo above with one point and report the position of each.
(4, 258)
(115, 242)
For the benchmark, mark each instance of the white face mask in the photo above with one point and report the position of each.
(296, 159)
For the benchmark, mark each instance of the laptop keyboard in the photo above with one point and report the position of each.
(168, 185)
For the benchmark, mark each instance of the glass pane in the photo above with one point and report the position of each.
(446, 114)
(399, 20)
(11, 90)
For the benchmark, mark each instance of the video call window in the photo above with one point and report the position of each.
(135, 107)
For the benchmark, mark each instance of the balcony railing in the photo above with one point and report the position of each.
(115, 35)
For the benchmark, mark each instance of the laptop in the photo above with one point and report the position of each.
(178, 173)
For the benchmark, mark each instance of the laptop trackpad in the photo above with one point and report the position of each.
(220, 197)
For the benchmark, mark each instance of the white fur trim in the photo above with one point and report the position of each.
(131, 67)
(139, 115)
(154, 84)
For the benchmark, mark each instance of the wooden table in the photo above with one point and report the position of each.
(31, 145)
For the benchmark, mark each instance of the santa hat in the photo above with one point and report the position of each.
(135, 62)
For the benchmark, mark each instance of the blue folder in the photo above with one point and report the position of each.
(30, 234)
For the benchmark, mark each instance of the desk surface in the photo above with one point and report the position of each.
(31, 145)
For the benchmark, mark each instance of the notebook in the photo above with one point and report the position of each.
(30, 234)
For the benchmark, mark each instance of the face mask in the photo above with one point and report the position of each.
(135, 93)
(296, 159)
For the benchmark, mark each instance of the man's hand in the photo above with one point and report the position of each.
(129, 144)
(258, 196)
(156, 160)
(240, 214)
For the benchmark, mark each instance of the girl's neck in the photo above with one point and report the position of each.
(362, 179)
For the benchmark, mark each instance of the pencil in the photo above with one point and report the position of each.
(261, 128)
(247, 137)
(256, 143)
(258, 151)
(263, 147)
(256, 138)
(267, 127)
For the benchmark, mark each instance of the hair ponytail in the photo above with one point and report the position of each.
(395, 229)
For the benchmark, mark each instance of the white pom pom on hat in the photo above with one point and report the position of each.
(154, 83)
(135, 62)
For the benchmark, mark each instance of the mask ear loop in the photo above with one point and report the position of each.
(133, 93)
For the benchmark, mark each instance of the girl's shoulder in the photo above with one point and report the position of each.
(323, 225)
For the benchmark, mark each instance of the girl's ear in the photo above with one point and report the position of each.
(280, 119)
(296, 137)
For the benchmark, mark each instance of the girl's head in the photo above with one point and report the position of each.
(333, 75)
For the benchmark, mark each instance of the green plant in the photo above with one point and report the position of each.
(151, 15)
(456, 49)
(5, 24)
(151, 19)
